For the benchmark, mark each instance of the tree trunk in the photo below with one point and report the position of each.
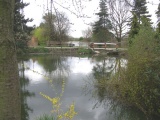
(9, 82)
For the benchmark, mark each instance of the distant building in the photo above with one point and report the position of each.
(33, 42)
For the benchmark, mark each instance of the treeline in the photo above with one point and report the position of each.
(118, 20)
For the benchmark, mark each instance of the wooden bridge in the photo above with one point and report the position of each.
(109, 47)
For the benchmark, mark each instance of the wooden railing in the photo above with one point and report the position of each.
(103, 45)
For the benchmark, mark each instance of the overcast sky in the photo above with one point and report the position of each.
(37, 8)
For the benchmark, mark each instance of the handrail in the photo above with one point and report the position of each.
(92, 45)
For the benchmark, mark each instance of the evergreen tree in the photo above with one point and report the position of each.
(158, 17)
(146, 22)
(103, 25)
(158, 12)
(135, 26)
(21, 30)
(140, 9)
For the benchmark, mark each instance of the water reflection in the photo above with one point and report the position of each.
(77, 72)
(25, 109)
(96, 86)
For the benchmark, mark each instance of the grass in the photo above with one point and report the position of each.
(38, 50)
(46, 117)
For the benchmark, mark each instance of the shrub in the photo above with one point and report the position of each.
(139, 83)
(84, 51)
(38, 50)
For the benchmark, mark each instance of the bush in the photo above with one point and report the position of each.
(84, 51)
(38, 50)
(139, 83)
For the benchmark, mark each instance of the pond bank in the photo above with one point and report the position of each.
(74, 51)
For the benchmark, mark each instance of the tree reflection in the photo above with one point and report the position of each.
(25, 109)
(53, 63)
(102, 73)
(96, 85)
(54, 67)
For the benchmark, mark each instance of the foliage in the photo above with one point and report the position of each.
(21, 30)
(39, 33)
(140, 9)
(38, 50)
(102, 35)
(135, 26)
(56, 106)
(84, 51)
(158, 16)
(158, 31)
(103, 25)
(53, 28)
(139, 83)
(48, 26)
(81, 38)
(158, 12)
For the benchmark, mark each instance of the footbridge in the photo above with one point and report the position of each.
(105, 47)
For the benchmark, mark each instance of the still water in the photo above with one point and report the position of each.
(46, 73)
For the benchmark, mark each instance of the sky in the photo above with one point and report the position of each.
(38, 8)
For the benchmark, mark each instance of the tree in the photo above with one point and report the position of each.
(39, 33)
(55, 27)
(62, 26)
(102, 27)
(135, 26)
(146, 23)
(48, 26)
(120, 15)
(9, 81)
(21, 30)
(87, 34)
(140, 9)
(158, 17)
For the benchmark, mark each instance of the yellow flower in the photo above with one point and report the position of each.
(71, 112)
(55, 100)
(60, 117)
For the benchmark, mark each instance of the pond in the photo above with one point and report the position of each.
(46, 73)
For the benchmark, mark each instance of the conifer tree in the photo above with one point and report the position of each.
(158, 17)
(135, 26)
(140, 9)
(21, 30)
(103, 25)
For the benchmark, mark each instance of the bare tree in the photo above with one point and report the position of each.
(62, 25)
(87, 34)
(120, 15)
